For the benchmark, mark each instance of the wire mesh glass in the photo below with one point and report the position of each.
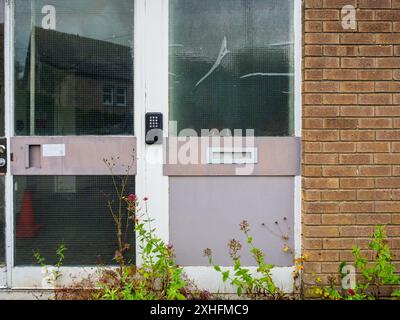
(231, 65)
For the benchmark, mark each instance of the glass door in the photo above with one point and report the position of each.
(234, 141)
(72, 107)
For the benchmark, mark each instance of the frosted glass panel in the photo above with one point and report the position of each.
(231, 65)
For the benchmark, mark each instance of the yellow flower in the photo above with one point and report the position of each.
(318, 280)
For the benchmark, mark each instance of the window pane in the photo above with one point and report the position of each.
(61, 71)
(231, 65)
(50, 210)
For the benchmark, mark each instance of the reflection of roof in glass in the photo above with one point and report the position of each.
(82, 56)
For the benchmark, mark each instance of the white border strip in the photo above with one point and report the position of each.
(9, 129)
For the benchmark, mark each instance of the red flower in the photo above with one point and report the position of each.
(132, 198)
(351, 292)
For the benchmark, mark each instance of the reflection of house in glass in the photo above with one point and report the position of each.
(83, 86)
(250, 89)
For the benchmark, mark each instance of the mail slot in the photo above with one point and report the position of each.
(232, 155)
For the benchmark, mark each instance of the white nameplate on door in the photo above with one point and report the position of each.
(53, 150)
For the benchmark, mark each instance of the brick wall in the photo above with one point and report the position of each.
(351, 131)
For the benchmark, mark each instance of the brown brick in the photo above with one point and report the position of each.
(321, 111)
(340, 51)
(319, 63)
(388, 62)
(341, 123)
(339, 171)
(312, 171)
(341, 74)
(338, 243)
(396, 4)
(357, 183)
(321, 232)
(374, 74)
(322, 15)
(375, 171)
(387, 38)
(375, 99)
(312, 123)
(374, 26)
(378, 123)
(321, 86)
(356, 231)
(312, 219)
(312, 267)
(387, 206)
(313, 26)
(395, 147)
(374, 51)
(312, 244)
(312, 146)
(387, 15)
(357, 38)
(373, 195)
(373, 147)
(311, 195)
(387, 86)
(356, 159)
(339, 3)
(375, 3)
(357, 135)
(350, 207)
(359, 86)
(360, 63)
(321, 38)
(321, 183)
(339, 195)
(387, 182)
(388, 135)
(313, 3)
(320, 207)
(313, 50)
(338, 219)
(314, 99)
(320, 135)
(314, 74)
(372, 219)
(387, 158)
(319, 256)
(343, 147)
(389, 111)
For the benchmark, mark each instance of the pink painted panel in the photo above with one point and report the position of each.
(72, 155)
(276, 156)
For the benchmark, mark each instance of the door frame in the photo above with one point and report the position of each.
(150, 95)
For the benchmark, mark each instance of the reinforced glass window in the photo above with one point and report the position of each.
(69, 210)
(231, 65)
(65, 53)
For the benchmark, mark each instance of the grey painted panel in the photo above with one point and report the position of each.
(205, 212)
(83, 155)
(277, 156)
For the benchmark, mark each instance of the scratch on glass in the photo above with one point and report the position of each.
(222, 53)
(266, 74)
